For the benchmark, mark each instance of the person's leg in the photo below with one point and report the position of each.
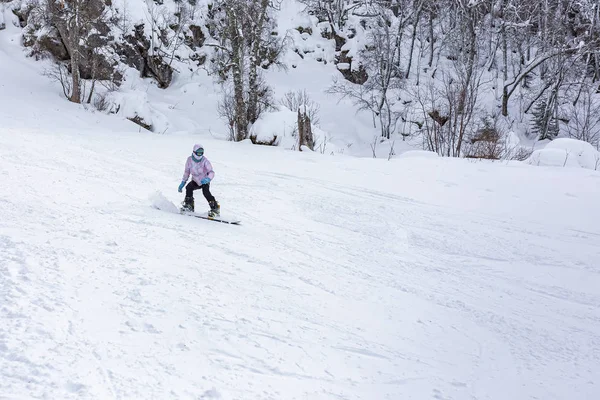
(206, 192)
(215, 208)
(188, 202)
(189, 189)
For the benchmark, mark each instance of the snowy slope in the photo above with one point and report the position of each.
(357, 280)
(348, 279)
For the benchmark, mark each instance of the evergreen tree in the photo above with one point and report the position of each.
(545, 124)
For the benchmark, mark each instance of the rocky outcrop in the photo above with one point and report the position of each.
(52, 44)
(197, 38)
(47, 34)
(159, 70)
(23, 13)
(344, 64)
(135, 52)
(133, 49)
(100, 52)
(342, 60)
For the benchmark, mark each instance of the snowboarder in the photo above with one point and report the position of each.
(202, 174)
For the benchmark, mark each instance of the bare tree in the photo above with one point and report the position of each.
(584, 118)
(383, 62)
(553, 38)
(60, 74)
(300, 100)
(226, 109)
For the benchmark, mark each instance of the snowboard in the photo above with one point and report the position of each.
(160, 202)
(231, 221)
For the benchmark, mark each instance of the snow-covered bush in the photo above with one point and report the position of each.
(488, 142)
(566, 152)
(584, 118)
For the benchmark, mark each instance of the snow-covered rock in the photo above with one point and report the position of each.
(134, 105)
(280, 128)
(275, 127)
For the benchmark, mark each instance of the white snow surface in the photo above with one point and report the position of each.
(419, 154)
(349, 278)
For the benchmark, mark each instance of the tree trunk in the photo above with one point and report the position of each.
(237, 50)
(431, 39)
(544, 36)
(305, 136)
(504, 43)
(74, 39)
(470, 64)
(253, 78)
(412, 41)
(596, 55)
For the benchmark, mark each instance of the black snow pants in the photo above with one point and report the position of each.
(189, 191)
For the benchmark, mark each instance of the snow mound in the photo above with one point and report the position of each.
(418, 154)
(272, 127)
(135, 106)
(566, 152)
(160, 202)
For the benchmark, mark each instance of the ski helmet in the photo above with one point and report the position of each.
(198, 150)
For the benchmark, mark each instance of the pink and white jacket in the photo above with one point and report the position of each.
(199, 170)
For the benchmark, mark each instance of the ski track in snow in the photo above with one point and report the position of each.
(330, 289)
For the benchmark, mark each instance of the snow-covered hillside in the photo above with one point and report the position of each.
(189, 104)
(349, 278)
(479, 79)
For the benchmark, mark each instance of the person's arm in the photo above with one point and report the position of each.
(186, 175)
(211, 172)
(186, 172)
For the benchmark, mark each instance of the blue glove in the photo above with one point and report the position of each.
(181, 186)
(205, 181)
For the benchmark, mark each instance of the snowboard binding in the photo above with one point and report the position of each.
(188, 204)
(215, 209)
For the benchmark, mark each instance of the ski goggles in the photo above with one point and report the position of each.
(199, 152)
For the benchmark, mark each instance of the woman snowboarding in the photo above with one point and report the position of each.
(202, 173)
